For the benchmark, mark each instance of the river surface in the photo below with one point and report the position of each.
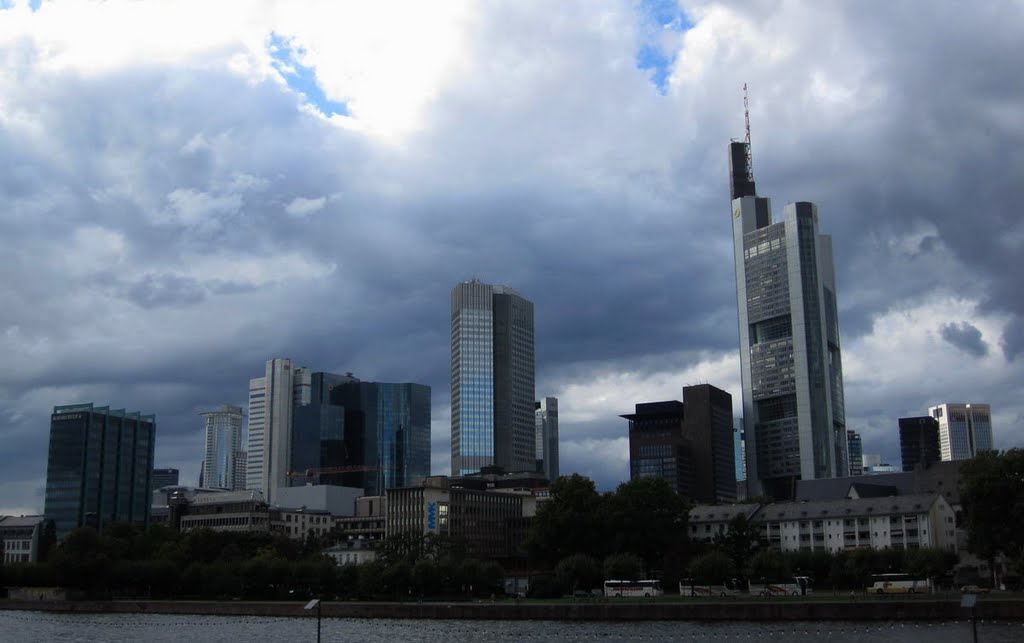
(29, 627)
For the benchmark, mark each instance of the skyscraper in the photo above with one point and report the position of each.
(222, 446)
(163, 478)
(855, 449)
(919, 441)
(373, 435)
(964, 429)
(99, 467)
(546, 423)
(790, 359)
(493, 421)
(689, 443)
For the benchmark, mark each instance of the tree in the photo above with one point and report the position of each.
(623, 567)
(569, 523)
(578, 572)
(769, 564)
(992, 495)
(713, 568)
(740, 541)
(647, 518)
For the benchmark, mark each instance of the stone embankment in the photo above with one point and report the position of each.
(787, 610)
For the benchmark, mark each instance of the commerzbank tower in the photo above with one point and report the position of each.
(791, 365)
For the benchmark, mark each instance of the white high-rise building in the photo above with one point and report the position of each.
(790, 359)
(271, 400)
(223, 442)
(964, 429)
(493, 420)
(546, 424)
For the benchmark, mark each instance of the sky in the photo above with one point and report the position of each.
(188, 189)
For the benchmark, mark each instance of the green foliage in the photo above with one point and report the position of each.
(740, 541)
(569, 523)
(578, 572)
(992, 495)
(770, 564)
(713, 568)
(623, 567)
(647, 518)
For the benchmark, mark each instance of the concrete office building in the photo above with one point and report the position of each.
(965, 430)
(790, 357)
(855, 448)
(99, 467)
(919, 442)
(492, 408)
(546, 418)
(222, 442)
(20, 538)
(689, 443)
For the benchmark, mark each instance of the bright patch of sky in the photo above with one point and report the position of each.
(287, 58)
(658, 17)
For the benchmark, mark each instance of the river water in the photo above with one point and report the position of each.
(29, 627)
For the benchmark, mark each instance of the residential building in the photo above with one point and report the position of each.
(790, 355)
(919, 442)
(222, 442)
(899, 522)
(689, 443)
(855, 447)
(492, 367)
(20, 538)
(164, 478)
(99, 467)
(546, 423)
(965, 430)
(352, 552)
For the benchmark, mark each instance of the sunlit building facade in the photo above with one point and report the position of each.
(493, 421)
(965, 430)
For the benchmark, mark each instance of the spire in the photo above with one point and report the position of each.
(741, 172)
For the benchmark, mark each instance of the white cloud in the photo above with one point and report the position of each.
(301, 207)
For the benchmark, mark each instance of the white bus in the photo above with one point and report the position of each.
(898, 584)
(632, 588)
(798, 586)
(689, 587)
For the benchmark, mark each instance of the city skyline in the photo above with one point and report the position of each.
(255, 183)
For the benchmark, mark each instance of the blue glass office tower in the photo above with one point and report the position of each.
(99, 467)
(493, 421)
(790, 358)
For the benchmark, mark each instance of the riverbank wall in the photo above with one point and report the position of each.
(788, 610)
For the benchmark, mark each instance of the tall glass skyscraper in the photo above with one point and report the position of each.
(493, 422)
(546, 423)
(964, 429)
(790, 359)
(99, 467)
(222, 433)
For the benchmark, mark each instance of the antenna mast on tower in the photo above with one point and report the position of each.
(746, 117)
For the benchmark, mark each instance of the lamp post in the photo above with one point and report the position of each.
(310, 605)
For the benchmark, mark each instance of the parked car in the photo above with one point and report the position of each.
(974, 589)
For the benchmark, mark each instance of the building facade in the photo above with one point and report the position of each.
(222, 511)
(99, 467)
(855, 448)
(271, 400)
(964, 429)
(690, 444)
(790, 356)
(919, 442)
(492, 367)
(898, 522)
(164, 478)
(222, 444)
(21, 537)
(546, 423)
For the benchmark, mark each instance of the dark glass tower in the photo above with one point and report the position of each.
(99, 467)
(919, 441)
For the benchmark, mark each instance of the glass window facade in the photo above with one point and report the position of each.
(99, 467)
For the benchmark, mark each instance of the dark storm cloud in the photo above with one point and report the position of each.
(965, 337)
(152, 259)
